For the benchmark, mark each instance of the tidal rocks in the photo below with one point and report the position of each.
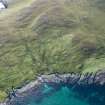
(100, 77)
(28, 87)
(3, 104)
(76, 78)
(73, 79)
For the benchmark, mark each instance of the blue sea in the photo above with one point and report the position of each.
(63, 94)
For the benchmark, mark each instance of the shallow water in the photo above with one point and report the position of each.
(58, 94)
(62, 97)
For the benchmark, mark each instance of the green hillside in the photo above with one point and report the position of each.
(47, 36)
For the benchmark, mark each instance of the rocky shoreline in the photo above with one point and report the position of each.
(97, 78)
(75, 78)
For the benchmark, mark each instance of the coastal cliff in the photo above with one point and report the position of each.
(40, 37)
(73, 80)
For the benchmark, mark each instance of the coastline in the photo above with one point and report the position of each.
(71, 78)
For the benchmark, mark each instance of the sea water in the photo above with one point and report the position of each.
(63, 95)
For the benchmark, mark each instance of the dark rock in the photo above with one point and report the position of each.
(100, 77)
(86, 79)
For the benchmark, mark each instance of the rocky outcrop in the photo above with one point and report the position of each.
(97, 78)
(76, 78)
(3, 104)
(4, 4)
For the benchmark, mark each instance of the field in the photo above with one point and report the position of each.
(48, 36)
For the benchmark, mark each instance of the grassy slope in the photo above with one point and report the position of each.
(46, 36)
